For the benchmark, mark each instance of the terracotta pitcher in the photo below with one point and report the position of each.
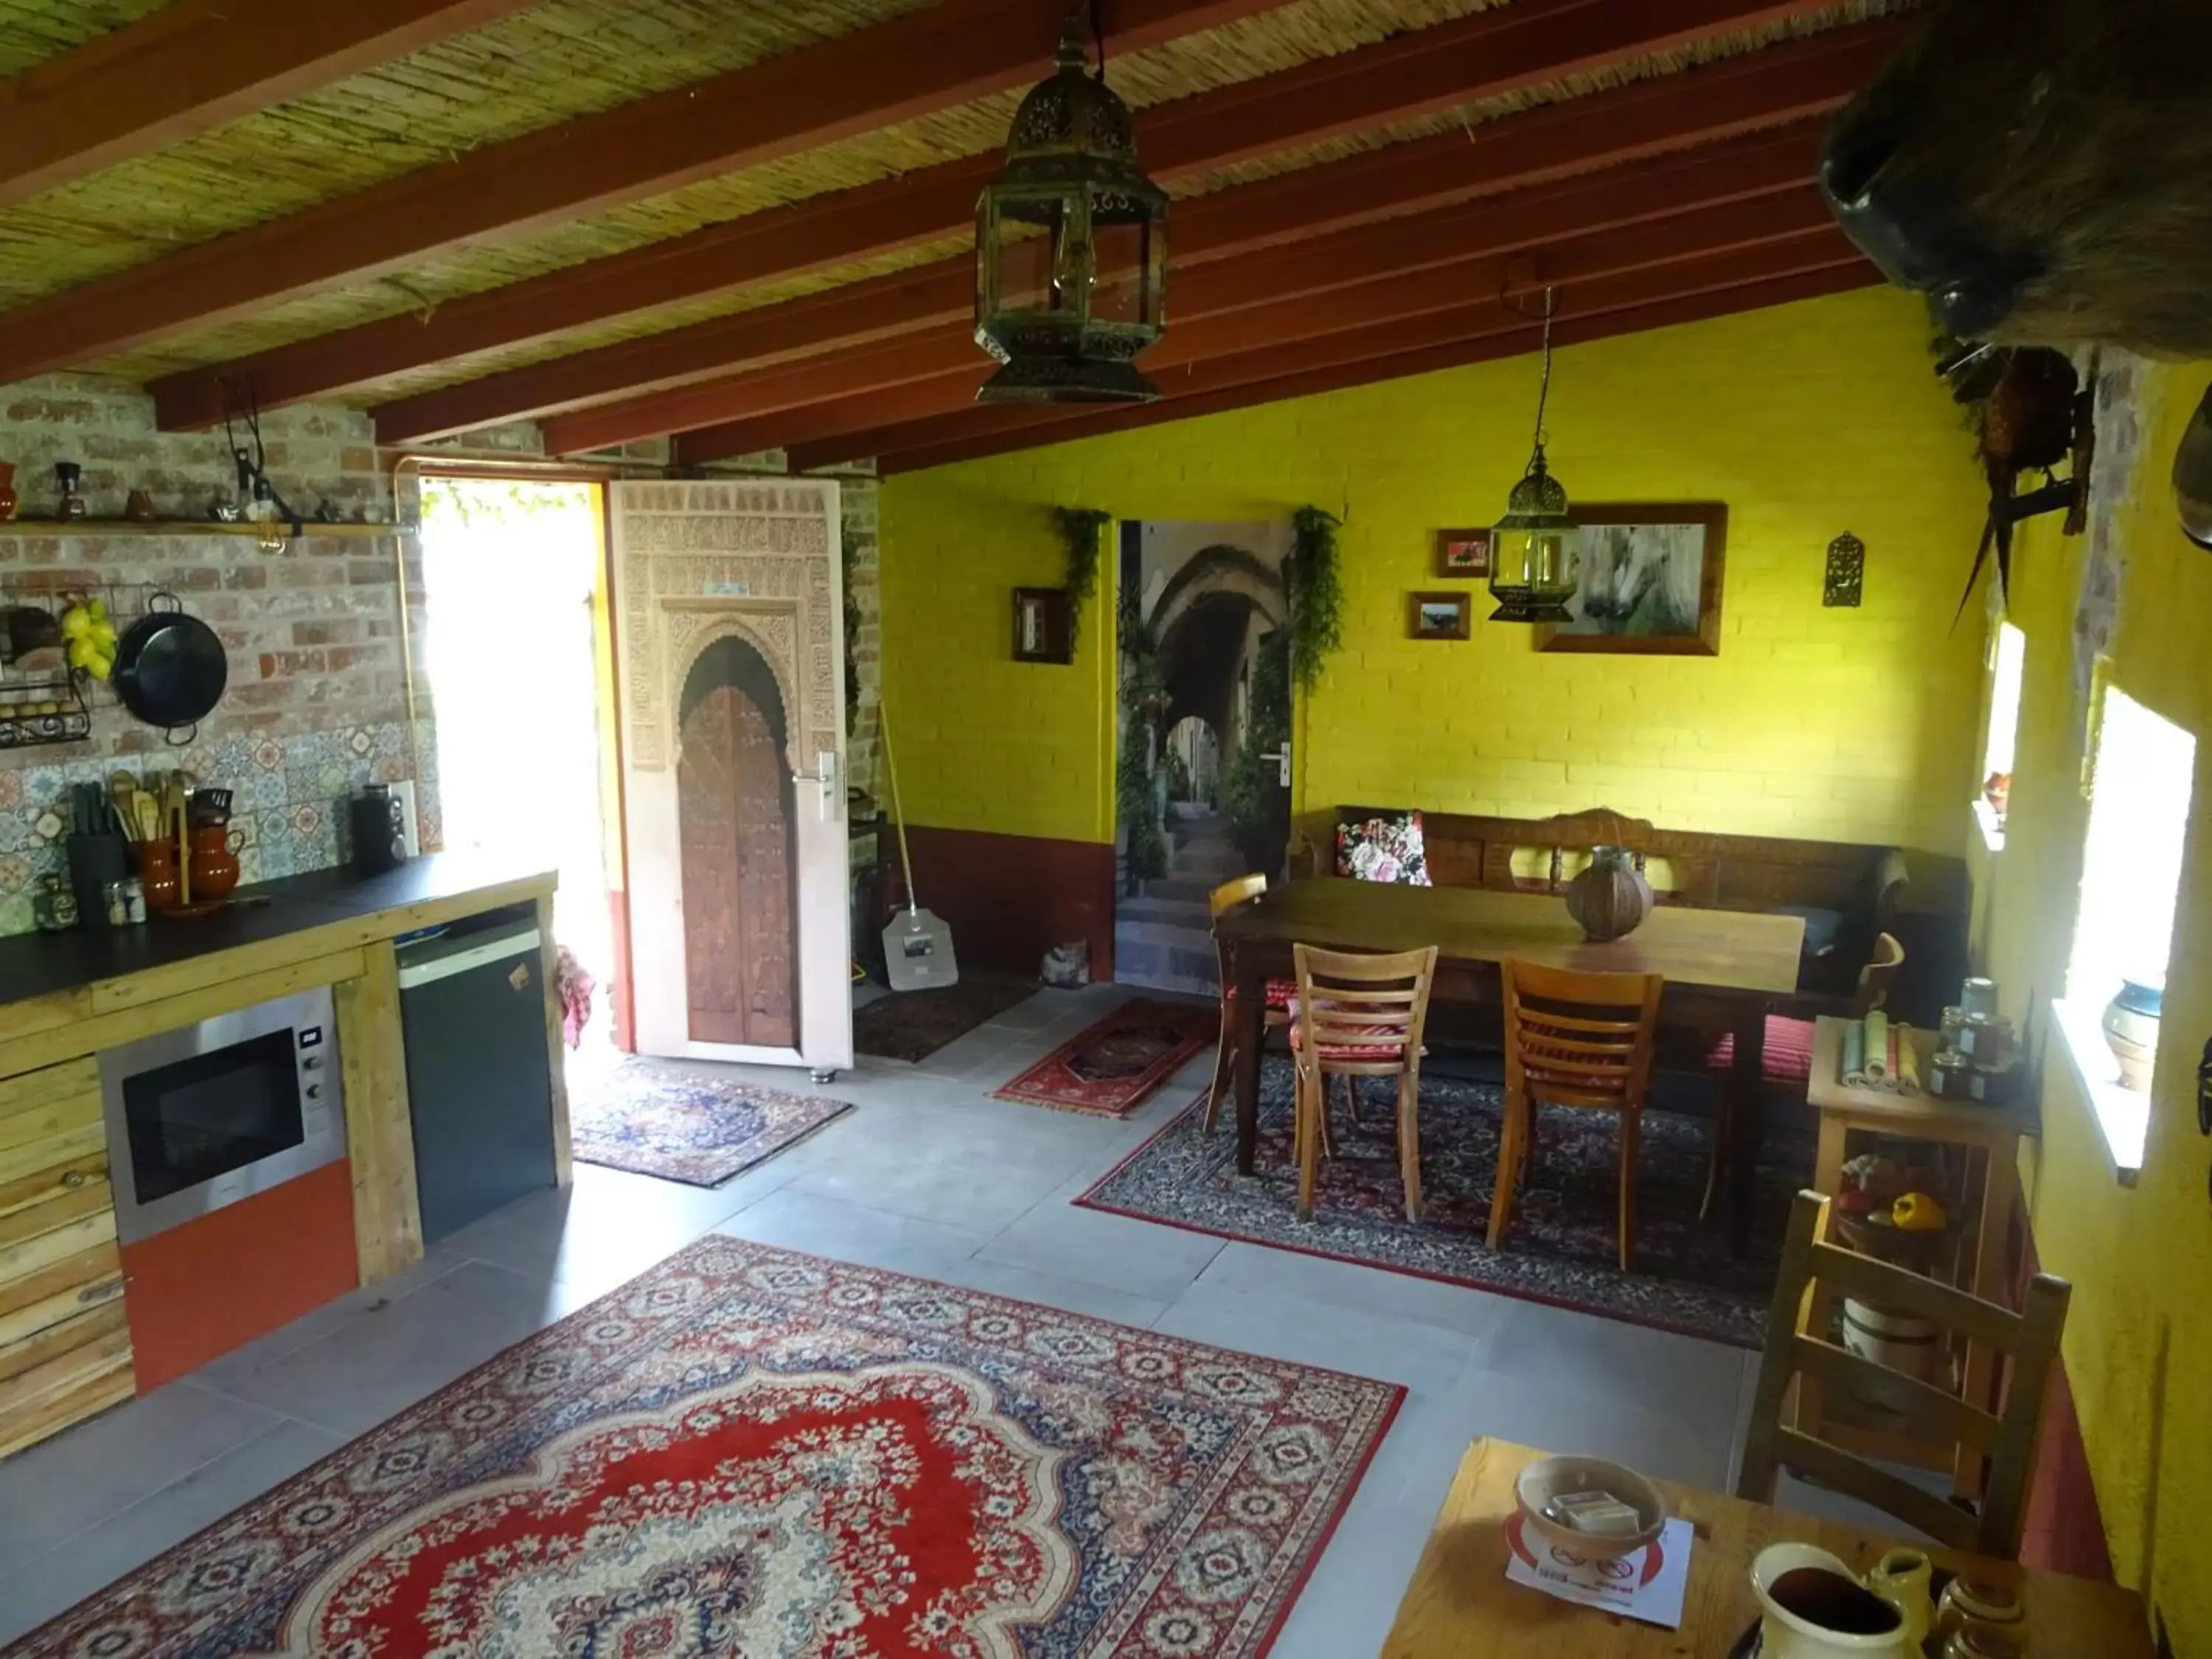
(215, 860)
(157, 874)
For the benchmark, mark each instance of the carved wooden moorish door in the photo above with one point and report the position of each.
(733, 807)
(729, 672)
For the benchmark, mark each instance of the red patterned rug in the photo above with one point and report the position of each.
(750, 1454)
(1111, 1068)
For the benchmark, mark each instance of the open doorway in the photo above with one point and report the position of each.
(1203, 784)
(514, 574)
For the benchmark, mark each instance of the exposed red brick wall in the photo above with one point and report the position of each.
(317, 699)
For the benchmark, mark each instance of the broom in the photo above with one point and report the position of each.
(918, 945)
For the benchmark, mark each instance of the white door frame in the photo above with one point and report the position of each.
(758, 560)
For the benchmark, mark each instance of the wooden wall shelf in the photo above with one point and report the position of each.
(190, 527)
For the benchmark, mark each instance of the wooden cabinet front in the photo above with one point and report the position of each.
(64, 1348)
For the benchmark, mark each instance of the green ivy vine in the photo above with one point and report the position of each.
(1078, 528)
(1316, 594)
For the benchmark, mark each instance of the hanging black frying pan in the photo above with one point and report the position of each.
(170, 668)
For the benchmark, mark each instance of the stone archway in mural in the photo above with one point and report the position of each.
(1197, 803)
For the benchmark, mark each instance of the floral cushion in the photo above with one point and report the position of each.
(1384, 849)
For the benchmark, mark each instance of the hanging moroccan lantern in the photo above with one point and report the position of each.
(1535, 559)
(1071, 247)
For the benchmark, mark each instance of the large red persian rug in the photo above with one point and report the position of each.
(1111, 1068)
(749, 1454)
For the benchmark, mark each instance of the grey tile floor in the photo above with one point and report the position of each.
(931, 1177)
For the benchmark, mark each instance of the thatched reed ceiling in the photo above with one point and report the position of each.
(562, 58)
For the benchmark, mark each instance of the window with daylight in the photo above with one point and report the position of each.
(2143, 775)
(2007, 665)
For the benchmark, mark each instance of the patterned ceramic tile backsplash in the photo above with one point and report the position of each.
(288, 800)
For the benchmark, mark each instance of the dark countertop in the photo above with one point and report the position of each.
(40, 964)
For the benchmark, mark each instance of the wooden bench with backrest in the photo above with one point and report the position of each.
(1851, 893)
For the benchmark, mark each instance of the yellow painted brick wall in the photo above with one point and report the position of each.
(2139, 1334)
(1807, 420)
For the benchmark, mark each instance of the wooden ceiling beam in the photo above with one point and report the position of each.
(1815, 252)
(194, 65)
(934, 58)
(1739, 169)
(1729, 300)
(1596, 266)
(1794, 81)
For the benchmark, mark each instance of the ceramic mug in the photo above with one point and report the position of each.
(1824, 1610)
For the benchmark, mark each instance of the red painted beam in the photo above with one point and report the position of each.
(193, 65)
(1783, 83)
(935, 58)
(1286, 324)
(1737, 170)
(1661, 313)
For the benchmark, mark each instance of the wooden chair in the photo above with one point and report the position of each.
(1359, 1016)
(1575, 1039)
(1273, 1017)
(1796, 1353)
(1786, 1059)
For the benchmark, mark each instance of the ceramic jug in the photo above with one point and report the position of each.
(1843, 1617)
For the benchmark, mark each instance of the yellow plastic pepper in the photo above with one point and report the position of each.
(1917, 1213)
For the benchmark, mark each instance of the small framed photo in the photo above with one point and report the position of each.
(1463, 553)
(1439, 616)
(1041, 633)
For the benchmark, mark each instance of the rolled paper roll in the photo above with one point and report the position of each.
(1908, 1060)
(1854, 1056)
(1890, 1073)
(1877, 1046)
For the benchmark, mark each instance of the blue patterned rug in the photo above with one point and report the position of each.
(1561, 1248)
(685, 1123)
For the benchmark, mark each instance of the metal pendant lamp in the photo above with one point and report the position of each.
(1535, 563)
(1070, 247)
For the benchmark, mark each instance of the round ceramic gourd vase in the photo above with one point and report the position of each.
(1610, 898)
(2131, 1031)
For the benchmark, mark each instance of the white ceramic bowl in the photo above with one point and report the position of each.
(1554, 1477)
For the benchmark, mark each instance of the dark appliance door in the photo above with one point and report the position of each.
(479, 1083)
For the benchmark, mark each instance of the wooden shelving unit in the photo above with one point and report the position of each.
(190, 527)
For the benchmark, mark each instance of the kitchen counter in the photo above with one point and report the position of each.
(41, 964)
(66, 1345)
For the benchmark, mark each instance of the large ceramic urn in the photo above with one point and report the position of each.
(1610, 898)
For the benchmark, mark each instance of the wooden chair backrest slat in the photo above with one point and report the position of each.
(1878, 975)
(2030, 1338)
(1343, 997)
(1565, 1039)
(1230, 896)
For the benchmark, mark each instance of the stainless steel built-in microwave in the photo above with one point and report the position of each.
(201, 1117)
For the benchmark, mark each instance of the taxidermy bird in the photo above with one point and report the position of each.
(2033, 416)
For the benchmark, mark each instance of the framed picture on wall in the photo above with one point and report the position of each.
(1439, 616)
(1463, 553)
(1650, 580)
(1041, 632)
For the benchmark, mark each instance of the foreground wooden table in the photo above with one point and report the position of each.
(1460, 1605)
(1723, 970)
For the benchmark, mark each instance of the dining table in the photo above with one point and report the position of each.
(1724, 969)
(1460, 1604)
